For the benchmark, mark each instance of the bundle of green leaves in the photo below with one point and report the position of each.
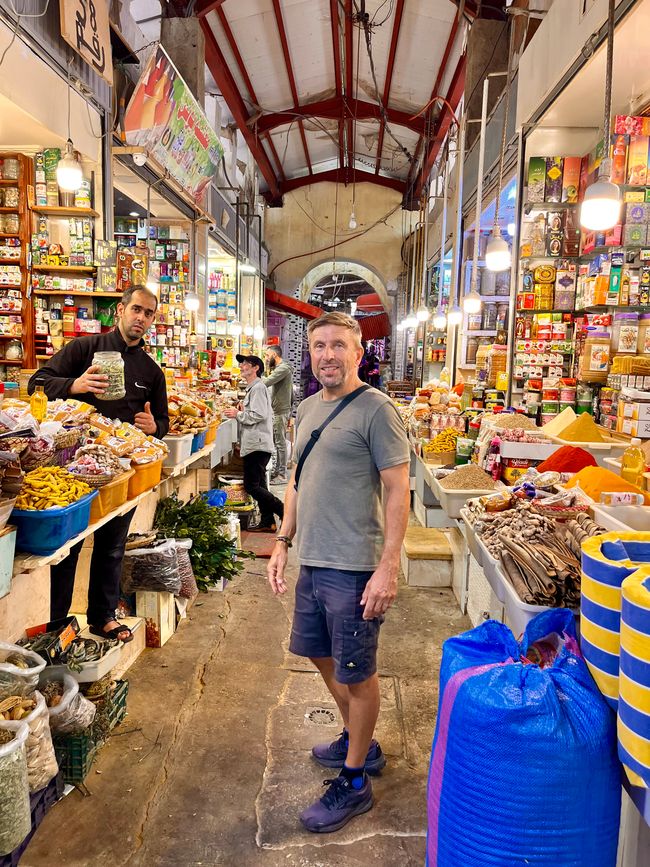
(213, 555)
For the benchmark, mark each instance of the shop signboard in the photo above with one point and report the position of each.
(85, 26)
(164, 118)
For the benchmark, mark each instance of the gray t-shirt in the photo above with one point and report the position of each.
(339, 521)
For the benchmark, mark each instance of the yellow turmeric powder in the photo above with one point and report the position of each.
(595, 481)
(583, 430)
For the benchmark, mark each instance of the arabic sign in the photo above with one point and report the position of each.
(84, 26)
(164, 118)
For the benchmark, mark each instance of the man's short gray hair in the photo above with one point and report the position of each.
(273, 347)
(342, 320)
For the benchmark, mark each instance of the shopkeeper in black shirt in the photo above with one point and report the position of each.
(70, 373)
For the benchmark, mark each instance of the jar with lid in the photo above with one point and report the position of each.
(11, 197)
(112, 365)
(474, 321)
(643, 345)
(497, 363)
(594, 361)
(14, 351)
(490, 317)
(625, 334)
(472, 349)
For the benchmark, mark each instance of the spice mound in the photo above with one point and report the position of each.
(595, 481)
(509, 420)
(567, 459)
(468, 478)
(583, 430)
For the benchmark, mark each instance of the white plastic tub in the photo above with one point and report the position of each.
(518, 613)
(452, 501)
(179, 449)
(472, 538)
(92, 671)
(493, 573)
(622, 518)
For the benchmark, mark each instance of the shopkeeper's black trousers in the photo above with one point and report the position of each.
(255, 484)
(105, 572)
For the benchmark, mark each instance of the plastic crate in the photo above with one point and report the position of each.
(198, 442)
(40, 803)
(117, 706)
(44, 532)
(144, 478)
(75, 755)
(211, 433)
(110, 496)
(180, 448)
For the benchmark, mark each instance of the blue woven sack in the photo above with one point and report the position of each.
(524, 768)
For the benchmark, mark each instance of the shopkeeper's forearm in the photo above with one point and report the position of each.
(288, 527)
(396, 512)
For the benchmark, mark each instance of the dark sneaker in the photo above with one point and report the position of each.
(263, 528)
(278, 480)
(333, 755)
(340, 803)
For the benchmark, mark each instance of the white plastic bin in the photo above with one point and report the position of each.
(623, 518)
(180, 449)
(518, 613)
(452, 501)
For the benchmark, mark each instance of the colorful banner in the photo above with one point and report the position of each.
(164, 118)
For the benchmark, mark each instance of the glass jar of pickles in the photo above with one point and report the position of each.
(112, 365)
(11, 197)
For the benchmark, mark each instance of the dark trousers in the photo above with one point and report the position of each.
(255, 485)
(105, 572)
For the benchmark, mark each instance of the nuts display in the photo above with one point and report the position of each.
(50, 488)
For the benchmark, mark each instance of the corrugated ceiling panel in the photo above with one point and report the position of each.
(309, 34)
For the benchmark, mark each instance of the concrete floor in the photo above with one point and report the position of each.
(212, 765)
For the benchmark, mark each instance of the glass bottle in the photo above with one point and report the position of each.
(38, 403)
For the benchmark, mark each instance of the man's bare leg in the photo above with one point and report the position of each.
(339, 691)
(363, 713)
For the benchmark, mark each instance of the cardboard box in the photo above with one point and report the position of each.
(553, 185)
(633, 428)
(61, 634)
(536, 179)
(637, 410)
(571, 179)
(636, 212)
(159, 613)
(637, 161)
(619, 145)
(635, 235)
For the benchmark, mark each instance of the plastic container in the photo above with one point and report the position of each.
(75, 755)
(518, 613)
(633, 463)
(623, 519)
(5, 511)
(452, 501)
(472, 538)
(594, 361)
(146, 476)
(46, 531)
(110, 496)
(198, 442)
(92, 671)
(111, 364)
(625, 334)
(211, 433)
(180, 448)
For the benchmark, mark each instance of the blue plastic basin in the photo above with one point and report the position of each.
(45, 531)
(198, 442)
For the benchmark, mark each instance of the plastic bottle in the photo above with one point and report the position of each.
(633, 463)
(38, 403)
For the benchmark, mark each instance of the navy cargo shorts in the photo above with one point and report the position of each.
(328, 621)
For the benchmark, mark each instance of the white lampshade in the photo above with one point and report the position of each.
(439, 320)
(422, 314)
(248, 330)
(472, 302)
(455, 315)
(411, 321)
(69, 173)
(601, 206)
(235, 328)
(258, 332)
(353, 221)
(192, 301)
(497, 253)
(511, 229)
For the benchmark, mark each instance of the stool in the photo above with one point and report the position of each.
(426, 558)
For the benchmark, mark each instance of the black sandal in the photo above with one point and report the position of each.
(112, 633)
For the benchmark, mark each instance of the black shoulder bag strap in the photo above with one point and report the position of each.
(315, 434)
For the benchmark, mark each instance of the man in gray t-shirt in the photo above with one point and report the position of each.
(348, 574)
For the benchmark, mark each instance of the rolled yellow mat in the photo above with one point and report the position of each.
(634, 678)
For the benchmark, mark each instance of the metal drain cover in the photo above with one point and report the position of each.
(320, 716)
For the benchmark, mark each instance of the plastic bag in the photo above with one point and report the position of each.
(73, 713)
(154, 568)
(524, 767)
(215, 497)
(19, 670)
(41, 760)
(15, 814)
(189, 587)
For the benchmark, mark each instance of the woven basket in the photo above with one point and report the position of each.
(67, 438)
(29, 461)
(94, 481)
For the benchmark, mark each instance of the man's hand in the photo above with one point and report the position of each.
(276, 567)
(380, 592)
(145, 420)
(231, 412)
(90, 382)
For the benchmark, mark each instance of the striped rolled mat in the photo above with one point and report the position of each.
(634, 679)
(607, 561)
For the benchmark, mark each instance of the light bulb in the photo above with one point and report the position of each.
(69, 174)
(400, 326)
(422, 314)
(192, 301)
(455, 315)
(411, 321)
(258, 332)
(601, 206)
(497, 252)
(511, 229)
(248, 330)
(133, 214)
(353, 221)
(472, 302)
(235, 328)
(439, 320)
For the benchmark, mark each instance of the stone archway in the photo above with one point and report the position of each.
(329, 267)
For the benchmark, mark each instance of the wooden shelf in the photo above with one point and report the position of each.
(52, 211)
(45, 357)
(9, 234)
(10, 336)
(5, 210)
(17, 261)
(76, 269)
(78, 294)
(9, 182)
(13, 361)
